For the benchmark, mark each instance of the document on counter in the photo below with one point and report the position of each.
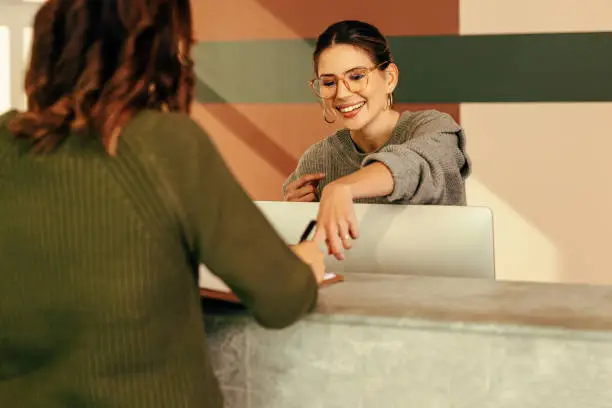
(214, 288)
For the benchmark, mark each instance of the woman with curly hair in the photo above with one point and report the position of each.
(110, 199)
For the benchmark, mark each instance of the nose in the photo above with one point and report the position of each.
(342, 90)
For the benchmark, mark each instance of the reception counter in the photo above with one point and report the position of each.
(404, 341)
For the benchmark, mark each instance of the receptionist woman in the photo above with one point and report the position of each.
(380, 155)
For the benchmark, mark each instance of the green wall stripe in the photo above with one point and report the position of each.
(436, 69)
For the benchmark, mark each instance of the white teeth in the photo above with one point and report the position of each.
(351, 108)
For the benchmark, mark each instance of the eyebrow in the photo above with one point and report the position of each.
(348, 70)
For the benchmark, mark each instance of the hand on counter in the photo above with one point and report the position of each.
(336, 221)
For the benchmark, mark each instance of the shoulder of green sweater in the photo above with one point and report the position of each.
(6, 116)
(170, 136)
(165, 128)
(4, 120)
(5, 133)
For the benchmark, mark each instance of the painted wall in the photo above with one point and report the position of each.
(542, 163)
(532, 87)
(254, 67)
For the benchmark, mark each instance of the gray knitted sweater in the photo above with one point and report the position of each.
(425, 154)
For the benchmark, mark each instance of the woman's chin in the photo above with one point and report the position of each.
(355, 123)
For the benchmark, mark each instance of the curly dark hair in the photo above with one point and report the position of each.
(96, 64)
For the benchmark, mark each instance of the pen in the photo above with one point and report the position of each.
(308, 230)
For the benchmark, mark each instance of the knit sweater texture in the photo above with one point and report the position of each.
(99, 305)
(426, 155)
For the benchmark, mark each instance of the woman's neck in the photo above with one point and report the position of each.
(377, 132)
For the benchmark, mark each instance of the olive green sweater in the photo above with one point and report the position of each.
(99, 305)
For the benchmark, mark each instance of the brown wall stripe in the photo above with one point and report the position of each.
(248, 20)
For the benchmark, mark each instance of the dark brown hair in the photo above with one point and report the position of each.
(358, 34)
(96, 64)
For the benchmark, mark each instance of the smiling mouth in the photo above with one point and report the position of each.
(350, 108)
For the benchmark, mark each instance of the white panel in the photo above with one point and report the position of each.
(27, 44)
(402, 239)
(5, 69)
(534, 16)
(545, 171)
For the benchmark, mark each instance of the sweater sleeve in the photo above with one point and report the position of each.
(311, 162)
(431, 165)
(229, 234)
(292, 177)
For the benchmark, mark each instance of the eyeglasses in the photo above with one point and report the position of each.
(355, 80)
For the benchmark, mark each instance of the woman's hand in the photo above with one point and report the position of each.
(336, 221)
(304, 189)
(310, 253)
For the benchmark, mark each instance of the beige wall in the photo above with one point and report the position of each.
(543, 168)
(5, 69)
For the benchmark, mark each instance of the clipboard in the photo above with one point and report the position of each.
(227, 295)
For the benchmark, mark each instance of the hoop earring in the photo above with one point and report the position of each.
(389, 101)
(325, 117)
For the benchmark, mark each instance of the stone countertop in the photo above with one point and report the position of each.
(406, 299)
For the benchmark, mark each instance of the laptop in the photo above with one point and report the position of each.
(451, 241)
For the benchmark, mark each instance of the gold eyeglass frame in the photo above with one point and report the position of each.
(368, 72)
